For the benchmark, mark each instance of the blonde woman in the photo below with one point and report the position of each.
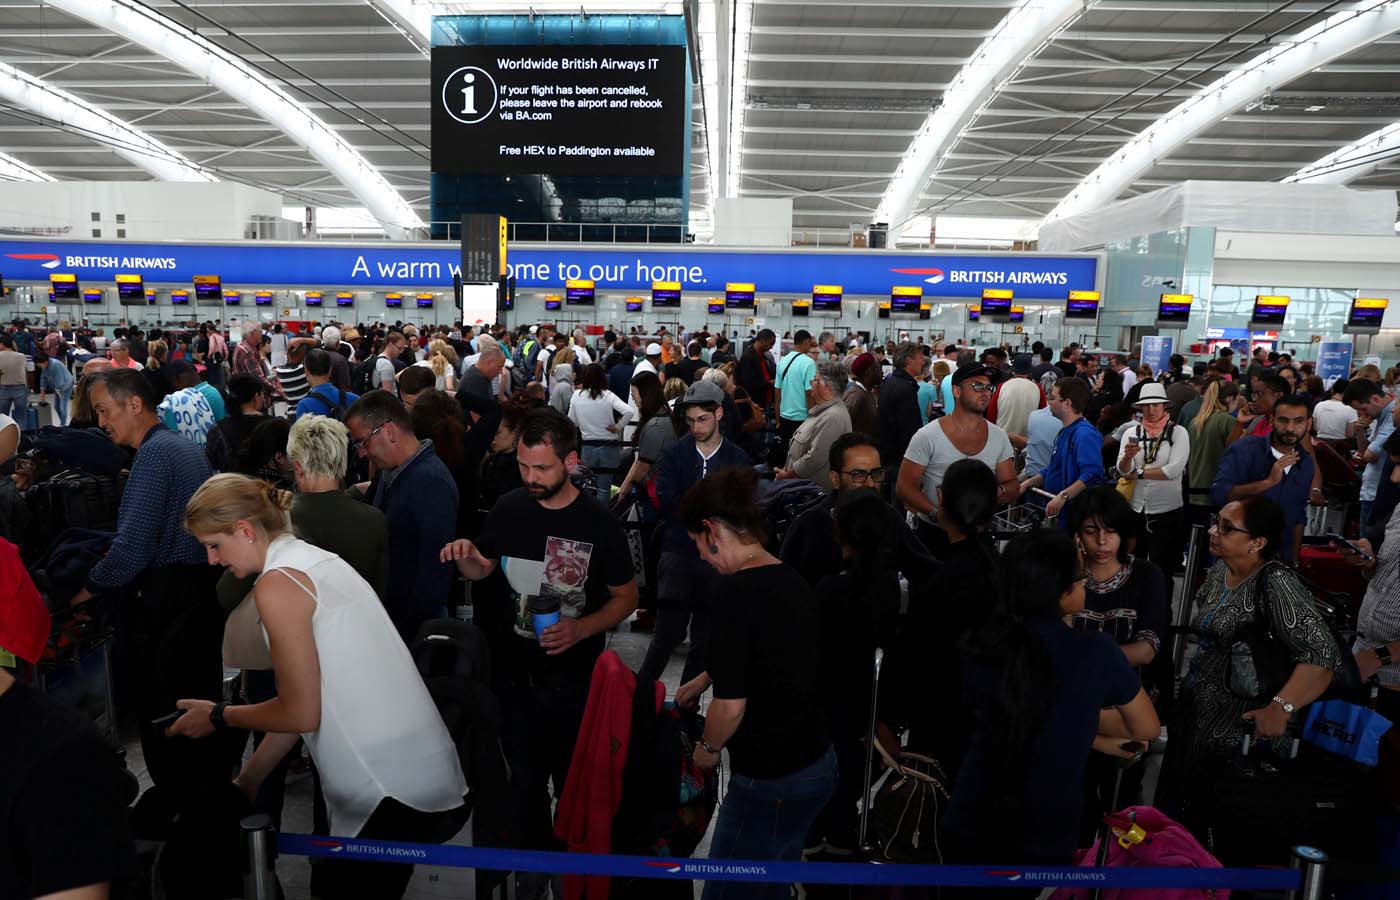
(156, 353)
(1210, 430)
(442, 359)
(346, 685)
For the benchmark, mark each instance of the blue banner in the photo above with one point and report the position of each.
(1157, 352)
(454, 856)
(1333, 361)
(408, 265)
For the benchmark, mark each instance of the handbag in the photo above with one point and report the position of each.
(244, 647)
(907, 808)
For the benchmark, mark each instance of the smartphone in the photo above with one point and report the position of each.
(1343, 542)
(163, 721)
(1134, 439)
(1133, 747)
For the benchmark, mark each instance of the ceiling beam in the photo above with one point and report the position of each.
(1359, 159)
(1291, 57)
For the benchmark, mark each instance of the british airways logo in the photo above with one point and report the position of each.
(934, 275)
(50, 260)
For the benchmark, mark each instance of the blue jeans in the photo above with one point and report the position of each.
(599, 459)
(768, 819)
(60, 406)
(14, 400)
(1366, 512)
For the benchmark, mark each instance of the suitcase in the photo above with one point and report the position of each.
(1334, 581)
(76, 670)
(31, 418)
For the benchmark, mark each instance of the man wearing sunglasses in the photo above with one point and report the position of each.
(682, 578)
(810, 545)
(964, 433)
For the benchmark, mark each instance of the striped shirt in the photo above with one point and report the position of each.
(293, 381)
(1379, 619)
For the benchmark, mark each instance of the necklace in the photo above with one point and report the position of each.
(1112, 582)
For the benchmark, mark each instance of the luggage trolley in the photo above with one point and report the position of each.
(1022, 518)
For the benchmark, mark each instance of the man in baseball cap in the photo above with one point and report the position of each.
(57, 775)
(683, 579)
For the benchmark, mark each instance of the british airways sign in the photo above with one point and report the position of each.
(410, 265)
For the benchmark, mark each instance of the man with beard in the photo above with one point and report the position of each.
(418, 496)
(1273, 465)
(566, 576)
(964, 433)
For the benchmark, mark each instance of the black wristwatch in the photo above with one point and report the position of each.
(216, 716)
(1382, 653)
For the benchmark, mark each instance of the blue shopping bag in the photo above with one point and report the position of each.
(1346, 729)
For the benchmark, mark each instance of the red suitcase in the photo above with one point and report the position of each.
(1334, 581)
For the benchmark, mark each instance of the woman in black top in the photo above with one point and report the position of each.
(444, 420)
(500, 471)
(247, 407)
(763, 657)
(1126, 598)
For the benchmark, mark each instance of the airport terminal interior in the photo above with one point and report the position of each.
(699, 448)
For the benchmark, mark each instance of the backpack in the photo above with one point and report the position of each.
(1047, 381)
(362, 376)
(336, 411)
(783, 501)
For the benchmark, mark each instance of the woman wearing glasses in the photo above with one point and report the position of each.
(1210, 720)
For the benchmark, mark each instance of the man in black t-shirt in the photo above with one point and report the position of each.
(63, 819)
(546, 544)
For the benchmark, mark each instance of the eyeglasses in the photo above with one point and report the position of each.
(861, 476)
(693, 421)
(1224, 527)
(981, 387)
(357, 445)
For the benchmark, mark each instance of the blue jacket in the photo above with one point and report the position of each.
(1248, 460)
(1078, 456)
(680, 468)
(420, 505)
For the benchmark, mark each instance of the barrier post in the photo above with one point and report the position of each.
(1195, 558)
(259, 875)
(1312, 862)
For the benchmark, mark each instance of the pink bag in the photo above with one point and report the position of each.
(1156, 841)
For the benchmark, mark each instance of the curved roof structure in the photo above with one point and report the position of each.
(880, 110)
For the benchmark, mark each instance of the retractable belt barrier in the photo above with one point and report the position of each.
(452, 856)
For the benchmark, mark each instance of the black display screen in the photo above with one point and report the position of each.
(1018, 314)
(425, 301)
(131, 291)
(905, 302)
(344, 299)
(393, 300)
(739, 298)
(207, 287)
(575, 109)
(826, 301)
(179, 298)
(64, 287)
(579, 296)
(313, 298)
(996, 306)
(634, 304)
(1173, 309)
(1268, 311)
(801, 310)
(92, 296)
(552, 303)
(262, 298)
(714, 308)
(1366, 313)
(233, 298)
(1082, 309)
(974, 314)
(665, 299)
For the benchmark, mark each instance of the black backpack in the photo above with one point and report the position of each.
(335, 411)
(362, 376)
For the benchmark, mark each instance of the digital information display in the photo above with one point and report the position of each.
(715, 307)
(552, 302)
(425, 301)
(1269, 309)
(974, 313)
(130, 290)
(1083, 305)
(882, 309)
(180, 298)
(906, 299)
(92, 296)
(393, 300)
(578, 292)
(312, 298)
(1018, 314)
(826, 297)
(562, 110)
(925, 311)
(1366, 315)
(345, 298)
(64, 287)
(634, 304)
(801, 308)
(262, 298)
(1174, 310)
(232, 298)
(996, 303)
(207, 287)
(738, 295)
(665, 295)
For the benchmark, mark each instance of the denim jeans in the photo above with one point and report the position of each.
(60, 406)
(603, 460)
(14, 400)
(768, 819)
(1366, 512)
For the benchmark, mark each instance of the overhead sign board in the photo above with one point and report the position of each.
(413, 265)
(1366, 315)
(575, 109)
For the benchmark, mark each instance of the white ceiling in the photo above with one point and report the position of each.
(833, 94)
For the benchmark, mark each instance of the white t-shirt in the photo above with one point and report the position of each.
(1332, 417)
(381, 735)
(931, 449)
(384, 375)
(594, 415)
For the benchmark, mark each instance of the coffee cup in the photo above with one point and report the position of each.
(544, 612)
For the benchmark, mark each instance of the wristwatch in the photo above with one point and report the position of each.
(1382, 653)
(1287, 707)
(216, 716)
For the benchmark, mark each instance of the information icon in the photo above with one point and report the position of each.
(469, 95)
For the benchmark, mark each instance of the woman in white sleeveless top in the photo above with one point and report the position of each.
(346, 685)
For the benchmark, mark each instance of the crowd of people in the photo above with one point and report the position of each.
(301, 505)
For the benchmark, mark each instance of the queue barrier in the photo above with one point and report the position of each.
(1303, 879)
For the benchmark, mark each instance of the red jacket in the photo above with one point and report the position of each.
(593, 788)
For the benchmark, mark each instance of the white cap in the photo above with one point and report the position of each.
(534, 329)
(653, 349)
